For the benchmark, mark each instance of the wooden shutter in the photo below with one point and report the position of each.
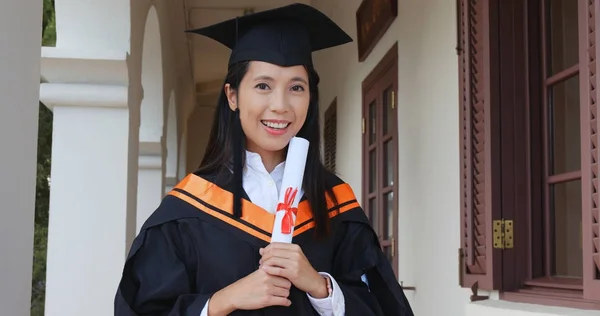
(479, 261)
(330, 134)
(589, 128)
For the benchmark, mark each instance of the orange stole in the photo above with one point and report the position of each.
(253, 214)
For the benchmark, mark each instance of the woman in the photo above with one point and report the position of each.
(206, 249)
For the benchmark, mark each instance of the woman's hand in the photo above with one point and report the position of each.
(287, 260)
(255, 291)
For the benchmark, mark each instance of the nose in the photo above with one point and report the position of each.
(279, 101)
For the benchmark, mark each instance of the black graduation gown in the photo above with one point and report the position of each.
(192, 246)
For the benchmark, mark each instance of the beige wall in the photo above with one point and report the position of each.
(428, 140)
(427, 110)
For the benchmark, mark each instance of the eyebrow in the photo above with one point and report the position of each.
(267, 78)
(300, 79)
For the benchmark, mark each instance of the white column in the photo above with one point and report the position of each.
(150, 180)
(20, 22)
(89, 196)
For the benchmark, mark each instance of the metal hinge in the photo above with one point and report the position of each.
(393, 247)
(393, 100)
(363, 125)
(503, 234)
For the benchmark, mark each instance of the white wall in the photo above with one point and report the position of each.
(20, 22)
(428, 127)
(427, 110)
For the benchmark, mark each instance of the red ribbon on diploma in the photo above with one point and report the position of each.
(288, 219)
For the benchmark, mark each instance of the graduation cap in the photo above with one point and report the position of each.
(284, 36)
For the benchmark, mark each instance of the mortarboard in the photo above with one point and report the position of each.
(284, 36)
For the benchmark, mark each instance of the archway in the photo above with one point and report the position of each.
(151, 150)
(151, 128)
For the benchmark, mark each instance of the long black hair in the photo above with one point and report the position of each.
(224, 144)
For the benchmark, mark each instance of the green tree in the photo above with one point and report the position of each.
(38, 286)
(48, 24)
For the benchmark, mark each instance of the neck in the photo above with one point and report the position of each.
(270, 159)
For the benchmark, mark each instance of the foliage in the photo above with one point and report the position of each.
(48, 24)
(42, 200)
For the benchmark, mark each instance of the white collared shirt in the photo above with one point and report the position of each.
(263, 188)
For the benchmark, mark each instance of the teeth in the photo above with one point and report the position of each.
(275, 125)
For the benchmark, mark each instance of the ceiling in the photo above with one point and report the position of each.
(209, 58)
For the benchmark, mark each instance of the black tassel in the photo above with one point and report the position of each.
(238, 150)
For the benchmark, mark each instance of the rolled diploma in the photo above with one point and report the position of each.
(291, 182)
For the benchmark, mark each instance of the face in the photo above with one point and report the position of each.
(273, 105)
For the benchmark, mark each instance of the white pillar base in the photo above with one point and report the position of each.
(20, 22)
(150, 181)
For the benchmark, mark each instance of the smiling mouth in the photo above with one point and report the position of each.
(276, 125)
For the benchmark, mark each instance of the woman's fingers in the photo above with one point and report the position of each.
(277, 262)
(277, 252)
(279, 291)
(281, 282)
(279, 300)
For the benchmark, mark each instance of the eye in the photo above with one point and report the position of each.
(262, 86)
(298, 88)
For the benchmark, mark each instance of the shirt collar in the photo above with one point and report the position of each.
(254, 163)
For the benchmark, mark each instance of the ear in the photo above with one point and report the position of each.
(231, 96)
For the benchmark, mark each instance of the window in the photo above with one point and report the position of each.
(330, 134)
(380, 152)
(529, 201)
(559, 167)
